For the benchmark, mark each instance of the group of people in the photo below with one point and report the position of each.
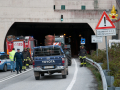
(19, 59)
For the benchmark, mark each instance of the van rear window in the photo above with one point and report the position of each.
(47, 51)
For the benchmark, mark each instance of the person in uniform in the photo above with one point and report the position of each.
(19, 59)
(82, 56)
(26, 57)
(11, 56)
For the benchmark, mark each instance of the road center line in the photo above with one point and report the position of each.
(12, 76)
(74, 77)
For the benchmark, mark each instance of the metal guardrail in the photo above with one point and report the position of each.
(104, 82)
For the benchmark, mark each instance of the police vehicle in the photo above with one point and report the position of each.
(4, 62)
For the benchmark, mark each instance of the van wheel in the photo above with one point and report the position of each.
(63, 76)
(67, 72)
(37, 78)
(69, 62)
(5, 68)
(42, 74)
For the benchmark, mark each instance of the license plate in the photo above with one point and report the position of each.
(47, 67)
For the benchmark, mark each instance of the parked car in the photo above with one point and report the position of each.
(4, 62)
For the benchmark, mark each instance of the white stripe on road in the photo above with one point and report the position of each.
(74, 77)
(12, 76)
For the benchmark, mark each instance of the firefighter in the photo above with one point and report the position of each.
(28, 58)
(11, 56)
(25, 55)
(82, 56)
(19, 59)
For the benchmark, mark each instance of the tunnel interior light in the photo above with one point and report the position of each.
(17, 38)
(69, 36)
(61, 36)
(64, 34)
(80, 35)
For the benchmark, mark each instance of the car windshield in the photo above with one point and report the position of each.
(2, 57)
(47, 51)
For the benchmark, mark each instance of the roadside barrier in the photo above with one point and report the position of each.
(104, 82)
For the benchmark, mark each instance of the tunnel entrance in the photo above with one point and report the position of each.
(74, 32)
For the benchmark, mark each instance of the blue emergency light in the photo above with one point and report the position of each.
(2, 52)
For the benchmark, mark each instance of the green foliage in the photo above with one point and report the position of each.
(114, 61)
(101, 56)
(117, 79)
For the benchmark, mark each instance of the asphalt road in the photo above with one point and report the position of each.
(79, 78)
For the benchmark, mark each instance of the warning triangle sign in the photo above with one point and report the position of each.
(105, 22)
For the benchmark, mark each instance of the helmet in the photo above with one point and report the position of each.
(25, 48)
(82, 46)
(28, 49)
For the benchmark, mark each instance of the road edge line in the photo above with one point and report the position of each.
(74, 77)
(14, 75)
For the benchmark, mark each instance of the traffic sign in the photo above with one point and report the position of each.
(83, 41)
(106, 32)
(105, 22)
(96, 39)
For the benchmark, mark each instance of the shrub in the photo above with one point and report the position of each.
(114, 61)
(117, 79)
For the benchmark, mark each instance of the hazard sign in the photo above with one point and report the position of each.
(105, 26)
(105, 22)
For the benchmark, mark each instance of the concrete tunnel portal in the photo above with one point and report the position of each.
(74, 31)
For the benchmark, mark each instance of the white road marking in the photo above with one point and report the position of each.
(14, 75)
(74, 77)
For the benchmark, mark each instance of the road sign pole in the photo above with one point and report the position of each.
(107, 53)
(97, 49)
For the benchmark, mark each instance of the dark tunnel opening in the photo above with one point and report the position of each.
(74, 31)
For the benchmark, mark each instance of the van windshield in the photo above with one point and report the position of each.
(47, 51)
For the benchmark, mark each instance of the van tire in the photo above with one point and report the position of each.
(63, 76)
(42, 74)
(37, 78)
(67, 72)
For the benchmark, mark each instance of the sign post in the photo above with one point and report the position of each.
(105, 27)
(97, 49)
(97, 40)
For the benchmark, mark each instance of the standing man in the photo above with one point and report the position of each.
(82, 56)
(11, 56)
(19, 59)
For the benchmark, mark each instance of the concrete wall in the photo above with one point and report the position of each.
(118, 23)
(42, 11)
